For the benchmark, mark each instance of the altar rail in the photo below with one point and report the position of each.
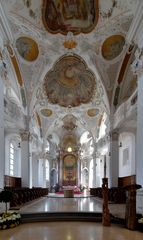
(24, 195)
(115, 195)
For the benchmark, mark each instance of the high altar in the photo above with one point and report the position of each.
(69, 170)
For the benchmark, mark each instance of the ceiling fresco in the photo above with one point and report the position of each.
(63, 16)
(93, 112)
(69, 140)
(46, 112)
(69, 122)
(70, 82)
(113, 46)
(27, 48)
(70, 58)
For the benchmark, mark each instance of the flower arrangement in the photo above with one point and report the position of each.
(140, 224)
(9, 220)
(140, 220)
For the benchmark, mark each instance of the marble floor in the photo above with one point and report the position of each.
(76, 204)
(69, 231)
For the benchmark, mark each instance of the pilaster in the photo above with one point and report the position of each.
(137, 68)
(25, 159)
(2, 145)
(114, 160)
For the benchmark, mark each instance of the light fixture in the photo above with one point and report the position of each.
(19, 146)
(69, 149)
(120, 144)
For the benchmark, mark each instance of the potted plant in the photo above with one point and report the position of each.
(6, 196)
(8, 219)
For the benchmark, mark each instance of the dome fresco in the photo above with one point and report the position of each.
(70, 82)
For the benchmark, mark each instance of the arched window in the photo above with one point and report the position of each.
(47, 169)
(11, 159)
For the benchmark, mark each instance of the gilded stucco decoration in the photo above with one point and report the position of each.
(113, 46)
(27, 48)
(70, 82)
(63, 16)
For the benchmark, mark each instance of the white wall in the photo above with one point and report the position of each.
(127, 154)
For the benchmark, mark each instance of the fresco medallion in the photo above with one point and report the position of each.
(46, 112)
(113, 46)
(27, 48)
(92, 112)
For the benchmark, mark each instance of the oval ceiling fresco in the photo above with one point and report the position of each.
(46, 112)
(92, 112)
(27, 48)
(113, 46)
(62, 16)
(70, 82)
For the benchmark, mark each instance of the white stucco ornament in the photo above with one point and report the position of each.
(137, 65)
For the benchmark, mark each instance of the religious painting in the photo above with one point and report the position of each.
(76, 16)
(92, 112)
(46, 112)
(70, 83)
(69, 122)
(69, 170)
(113, 46)
(27, 48)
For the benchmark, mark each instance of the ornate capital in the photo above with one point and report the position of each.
(25, 135)
(114, 135)
(137, 65)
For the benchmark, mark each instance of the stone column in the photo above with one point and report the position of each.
(2, 145)
(137, 68)
(30, 162)
(114, 160)
(25, 159)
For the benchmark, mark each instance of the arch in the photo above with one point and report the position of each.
(127, 154)
(53, 177)
(85, 177)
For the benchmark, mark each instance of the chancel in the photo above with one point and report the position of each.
(71, 112)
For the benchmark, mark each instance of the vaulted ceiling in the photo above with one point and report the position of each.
(71, 59)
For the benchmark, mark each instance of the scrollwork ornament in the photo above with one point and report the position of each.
(3, 70)
(137, 65)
